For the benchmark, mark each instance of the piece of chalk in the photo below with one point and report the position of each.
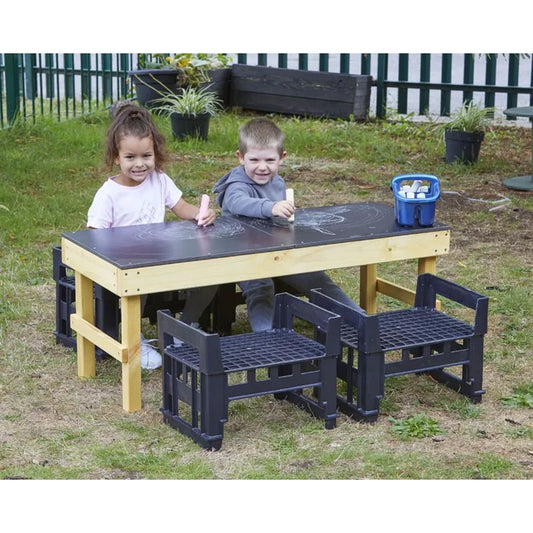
(289, 193)
(415, 185)
(204, 207)
(410, 195)
(420, 194)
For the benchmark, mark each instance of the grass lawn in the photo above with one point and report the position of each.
(54, 425)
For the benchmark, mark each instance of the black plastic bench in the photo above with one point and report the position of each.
(199, 377)
(426, 341)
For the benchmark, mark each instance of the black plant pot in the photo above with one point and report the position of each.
(190, 125)
(150, 83)
(462, 145)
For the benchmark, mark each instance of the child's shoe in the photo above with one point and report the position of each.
(150, 357)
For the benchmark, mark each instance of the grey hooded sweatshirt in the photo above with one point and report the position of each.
(237, 194)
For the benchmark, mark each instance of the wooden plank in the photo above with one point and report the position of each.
(367, 288)
(131, 337)
(395, 291)
(91, 333)
(85, 308)
(279, 263)
(427, 264)
(289, 82)
(93, 267)
(301, 92)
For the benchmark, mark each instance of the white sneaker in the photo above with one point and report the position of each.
(150, 357)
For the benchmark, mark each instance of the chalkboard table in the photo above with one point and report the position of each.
(136, 260)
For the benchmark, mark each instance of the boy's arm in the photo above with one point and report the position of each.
(238, 200)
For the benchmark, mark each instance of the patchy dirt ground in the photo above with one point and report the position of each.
(53, 424)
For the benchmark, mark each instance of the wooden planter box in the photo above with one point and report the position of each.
(300, 92)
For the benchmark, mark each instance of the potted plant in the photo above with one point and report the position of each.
(465, 132)
(190, 110)
(173, 72)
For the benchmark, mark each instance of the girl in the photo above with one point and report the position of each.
(140, 193)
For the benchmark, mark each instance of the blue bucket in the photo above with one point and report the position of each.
(415, 196)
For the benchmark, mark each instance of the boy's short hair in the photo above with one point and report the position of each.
(260, 133)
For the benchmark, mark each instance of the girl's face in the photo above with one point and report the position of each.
(136, 159)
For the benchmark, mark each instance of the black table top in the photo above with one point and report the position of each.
(179, 241)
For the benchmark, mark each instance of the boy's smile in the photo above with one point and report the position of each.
(261, 164)
(136, 160)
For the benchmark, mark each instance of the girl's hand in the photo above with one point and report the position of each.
(283, 208)
(208, 219)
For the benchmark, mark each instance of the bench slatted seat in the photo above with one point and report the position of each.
(199, 373)
(428, 341)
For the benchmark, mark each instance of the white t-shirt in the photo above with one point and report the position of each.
(117, 205)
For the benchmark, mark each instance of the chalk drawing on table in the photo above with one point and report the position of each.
(222, 228)
(324, 220)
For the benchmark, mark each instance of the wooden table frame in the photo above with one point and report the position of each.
(130, 283)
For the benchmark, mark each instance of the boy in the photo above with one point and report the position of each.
(254, 189)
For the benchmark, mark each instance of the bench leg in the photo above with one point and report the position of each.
(471, 382)
(370, 385)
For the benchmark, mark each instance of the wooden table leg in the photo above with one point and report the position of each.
(427, 264)
(85, 309)
(131, 339)
(367, 288)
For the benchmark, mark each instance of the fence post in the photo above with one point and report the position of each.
(468, 76)
(85, 77)
(107, 82)
(403, 75)
(446, 77)
(124, 67)
(381, 96)
(12, 87)
(512, 80)
(425, 75)
(30, 61)
(490, 78)
(345, 64)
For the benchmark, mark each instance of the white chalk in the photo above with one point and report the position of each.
(289, 194)
(424, 189)
(204, 207)
(415, 185)
(410, 195)
(420, 194)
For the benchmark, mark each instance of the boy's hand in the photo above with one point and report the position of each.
(283, 208)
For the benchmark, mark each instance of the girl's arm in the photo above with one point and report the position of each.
(187, 211)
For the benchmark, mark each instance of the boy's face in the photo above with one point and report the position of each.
(261, 164)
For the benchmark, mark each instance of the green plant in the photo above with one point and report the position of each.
(415, 426)
(192, 69)
(189, 101)
(522, 397)
(471, 117)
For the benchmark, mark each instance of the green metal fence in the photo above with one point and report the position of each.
(66, 85)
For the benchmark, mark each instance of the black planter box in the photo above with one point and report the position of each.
(300, 92)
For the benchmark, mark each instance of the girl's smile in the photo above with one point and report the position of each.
(136, 160)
